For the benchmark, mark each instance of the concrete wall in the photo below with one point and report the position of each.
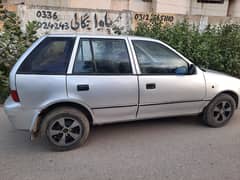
(120, 4)
(56, 3)
(90, 4)
(62, 20)
(171, 6)
(133, 5)
(71, 20)
(140, 6)
(209, 9)
(234, 8)
(12, 2)
(192, 7)
(184, 7)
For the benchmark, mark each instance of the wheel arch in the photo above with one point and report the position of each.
(38, 122)
(205, 113)
(233, 94)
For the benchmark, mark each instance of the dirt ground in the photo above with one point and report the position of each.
(172, 148)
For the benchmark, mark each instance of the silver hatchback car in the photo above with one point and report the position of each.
(63, 84)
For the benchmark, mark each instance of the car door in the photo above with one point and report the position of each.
(103, 78)
(41, 77)
(166, 88)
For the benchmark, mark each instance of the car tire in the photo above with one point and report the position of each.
(65, 128)
(219, 111)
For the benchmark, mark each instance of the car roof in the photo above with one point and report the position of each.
(98, 36)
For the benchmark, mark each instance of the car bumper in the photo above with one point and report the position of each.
(20, 117)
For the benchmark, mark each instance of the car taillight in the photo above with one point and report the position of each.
(14, 96)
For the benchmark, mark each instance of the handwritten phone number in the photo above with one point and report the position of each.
(55, 25)
(147, 17)
(46, 14)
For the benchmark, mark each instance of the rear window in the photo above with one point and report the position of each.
(51, 56)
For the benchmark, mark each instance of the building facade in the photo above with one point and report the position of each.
(183, 7)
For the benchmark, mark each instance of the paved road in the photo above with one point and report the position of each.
(175, 148)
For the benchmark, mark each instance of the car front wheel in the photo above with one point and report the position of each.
(219, 111)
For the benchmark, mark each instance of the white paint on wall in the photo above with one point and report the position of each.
(60, 20)
(203, 23)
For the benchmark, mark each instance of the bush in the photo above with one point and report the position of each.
(13, 42)
(217, 47)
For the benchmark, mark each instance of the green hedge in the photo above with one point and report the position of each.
(217, 47)
(13, 42)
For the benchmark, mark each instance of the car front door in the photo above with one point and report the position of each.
(166, 87)
(103, 78)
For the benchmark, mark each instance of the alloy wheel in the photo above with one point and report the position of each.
(65, 131)
(222, 111)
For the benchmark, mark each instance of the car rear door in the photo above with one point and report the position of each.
(166, 89)
(41, 76)
(103, 77)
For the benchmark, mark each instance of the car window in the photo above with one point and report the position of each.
(102, 56)
(154, 58)
(51, 56)
(84, 60)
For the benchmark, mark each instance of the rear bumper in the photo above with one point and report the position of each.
(20, 117)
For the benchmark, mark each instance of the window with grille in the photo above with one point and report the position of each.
(211, 1)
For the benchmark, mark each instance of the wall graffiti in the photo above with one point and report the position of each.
(85, 22)
(148, 17)
(52, 20)
(46, 14)
(53, 26)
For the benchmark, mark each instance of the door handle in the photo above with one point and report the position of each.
(151, 86)
(82, 87)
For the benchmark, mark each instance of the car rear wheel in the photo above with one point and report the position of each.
(219, 111)
(66, 128)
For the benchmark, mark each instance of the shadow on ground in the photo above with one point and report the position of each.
(111, 132)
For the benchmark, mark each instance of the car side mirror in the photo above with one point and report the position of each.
(191, 69)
